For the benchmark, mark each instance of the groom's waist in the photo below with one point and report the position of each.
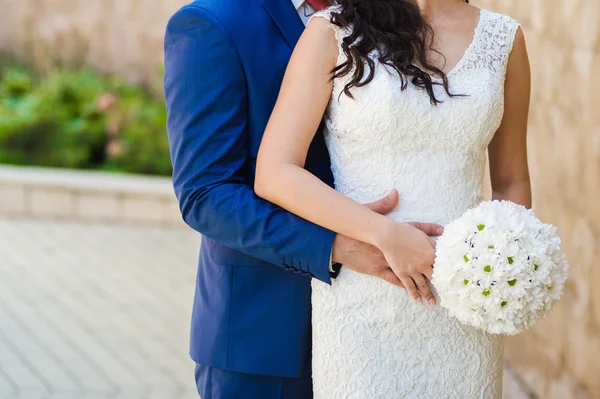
(214, 252)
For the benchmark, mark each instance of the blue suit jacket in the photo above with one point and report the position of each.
(224, 63)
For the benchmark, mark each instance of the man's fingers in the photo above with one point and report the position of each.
(431, 229)
(385, 205)
(424, 289)
(389, 276)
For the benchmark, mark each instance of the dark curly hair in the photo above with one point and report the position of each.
(398, 31)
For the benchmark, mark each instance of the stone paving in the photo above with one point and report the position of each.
(93, 311)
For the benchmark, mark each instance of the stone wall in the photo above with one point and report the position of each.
(87, 196)
(560, 358)
(121, 36)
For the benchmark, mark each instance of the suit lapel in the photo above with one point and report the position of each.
(286, 18)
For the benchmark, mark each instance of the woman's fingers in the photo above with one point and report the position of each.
(411, 288)
(424, 289)
(432, 243)
(428, 272)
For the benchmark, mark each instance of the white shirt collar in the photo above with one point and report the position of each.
(297, 3)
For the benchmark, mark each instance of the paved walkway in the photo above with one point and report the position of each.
(95, 311)
(92, 311)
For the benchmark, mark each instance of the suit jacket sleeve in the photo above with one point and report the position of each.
(206, 97)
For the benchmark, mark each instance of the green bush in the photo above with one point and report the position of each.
(80, 119)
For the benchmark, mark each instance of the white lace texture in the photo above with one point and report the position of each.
(370, 340)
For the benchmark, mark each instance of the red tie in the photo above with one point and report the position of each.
(318, 5)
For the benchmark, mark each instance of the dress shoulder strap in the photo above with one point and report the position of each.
(326, 13)
(496, 37)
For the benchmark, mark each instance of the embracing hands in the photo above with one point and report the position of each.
(410, 253)
(404, 254)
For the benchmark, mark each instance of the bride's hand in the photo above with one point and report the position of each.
(411, 254)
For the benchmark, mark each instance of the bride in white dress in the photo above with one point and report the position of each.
(392, 123)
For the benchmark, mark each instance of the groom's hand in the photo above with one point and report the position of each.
(367, 259)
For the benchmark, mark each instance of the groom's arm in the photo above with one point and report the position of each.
(207, 106)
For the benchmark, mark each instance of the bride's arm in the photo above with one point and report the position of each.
(509, 171)
(280, 174)
(281, 178)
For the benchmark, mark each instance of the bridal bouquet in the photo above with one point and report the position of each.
(499, 268)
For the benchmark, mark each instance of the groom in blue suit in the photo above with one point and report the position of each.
(250, 333)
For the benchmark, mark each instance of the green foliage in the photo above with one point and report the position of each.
(80, 119)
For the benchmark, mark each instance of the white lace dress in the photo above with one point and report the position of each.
(370, 340)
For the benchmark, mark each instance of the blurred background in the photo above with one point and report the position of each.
(96, 268)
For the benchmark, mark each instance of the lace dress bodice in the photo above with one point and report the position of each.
(434, 156)
(370, 340)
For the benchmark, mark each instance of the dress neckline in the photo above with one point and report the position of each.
(468, 50)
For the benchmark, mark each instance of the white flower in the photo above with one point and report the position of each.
(499, 268)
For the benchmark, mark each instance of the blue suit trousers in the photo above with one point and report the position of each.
(214, 383)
